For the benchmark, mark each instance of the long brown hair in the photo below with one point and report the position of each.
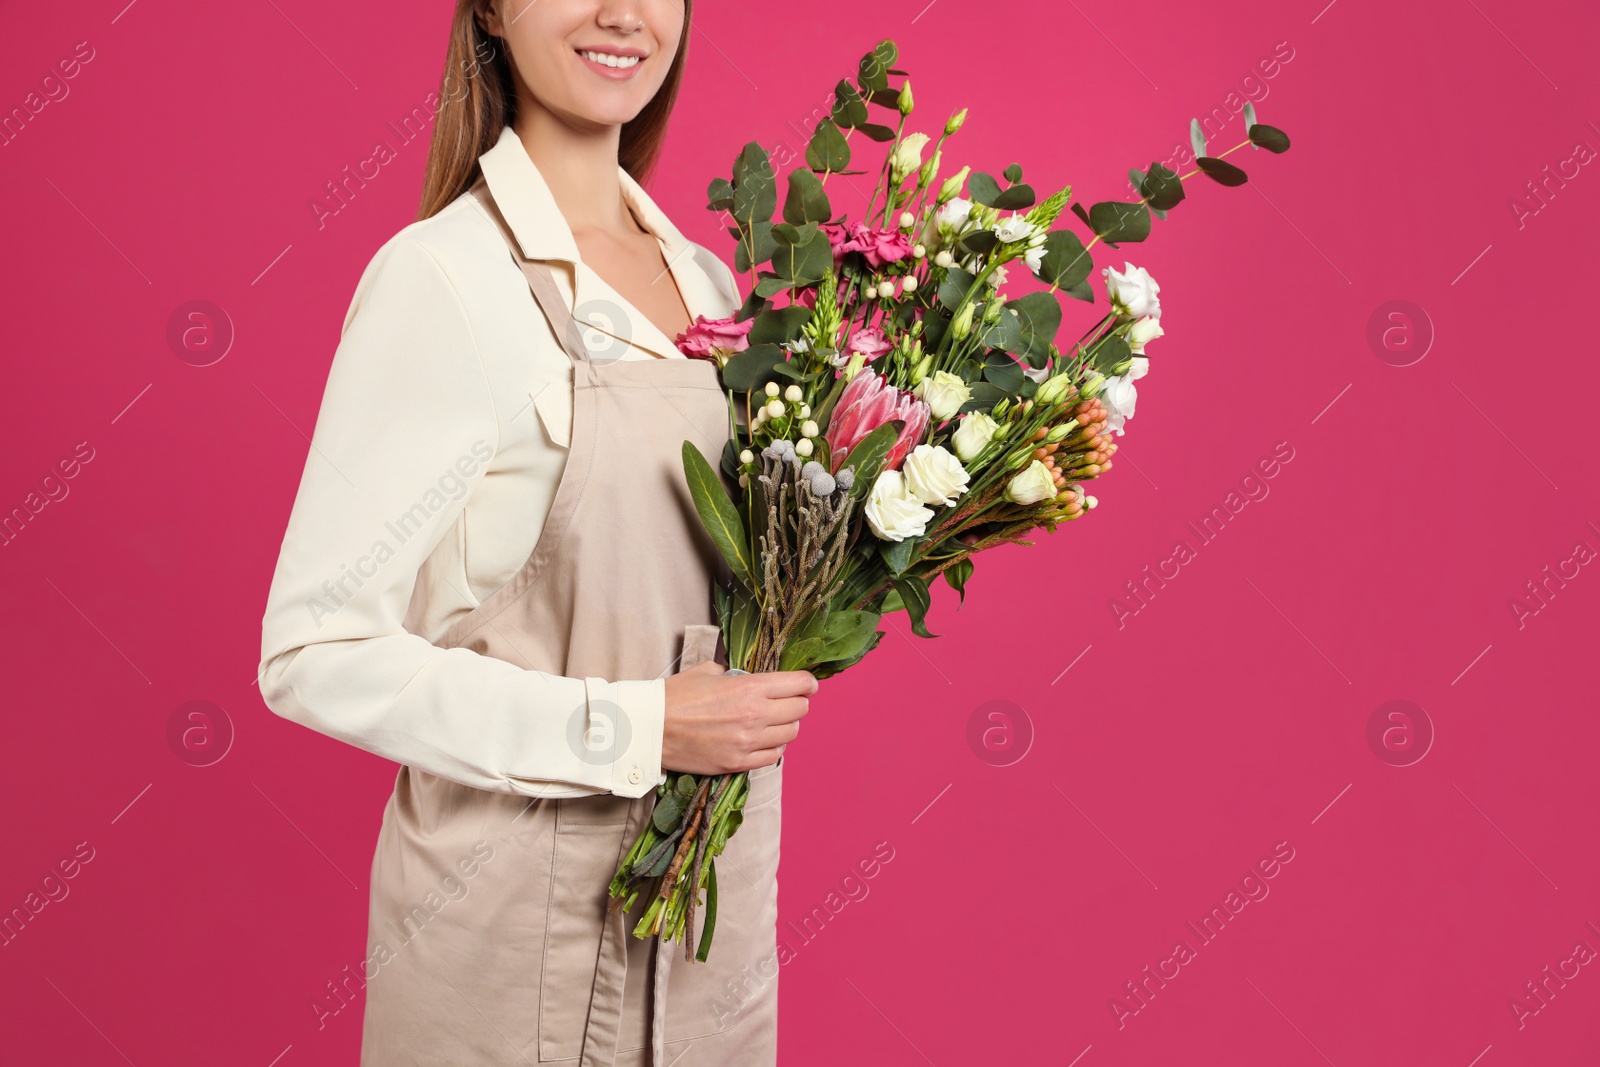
(477, 99)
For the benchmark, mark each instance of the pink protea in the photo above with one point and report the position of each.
(867, 403)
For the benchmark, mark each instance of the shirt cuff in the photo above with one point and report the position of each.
(639, 714)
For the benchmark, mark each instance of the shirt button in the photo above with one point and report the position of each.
(636, 776)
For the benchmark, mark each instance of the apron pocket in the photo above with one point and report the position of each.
(588, 845)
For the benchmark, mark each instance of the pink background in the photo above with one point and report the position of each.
(1168, 755)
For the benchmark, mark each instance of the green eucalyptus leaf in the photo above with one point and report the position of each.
(779, 325)
(982, 188)
(1081, 291)
(897, 554)
(1064, 261)
(669, 809)
(954, 286)
(719, 195)
(980, 242)
(849, 110)
(760, 238)
(1015, 198)
(1004, 333)
(803, 255)
(1269, 137)
(867, 456)
(755, 188)
(827, 150)
(1013, 173)
(1039, 315)
(1197, 138)
(1249, 116)
(806, 202)
(877, 131)
(1221, 171)
(1115, 221)
(1162, 188)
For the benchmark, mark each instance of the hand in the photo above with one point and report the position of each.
(719, 724)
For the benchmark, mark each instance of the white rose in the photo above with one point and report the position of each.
(907, 157)
(1119, 395)
(933, 475)
(1013, 228)
(944, 393)
(973, 433)
(892, 513)
(1031, 485)
(1133, 292)
(1142, 332)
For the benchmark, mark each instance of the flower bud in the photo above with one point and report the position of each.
(955, 122)
(952, 185)
(904, 102)
(961, 325)
(1053, 388)
(1058, 434)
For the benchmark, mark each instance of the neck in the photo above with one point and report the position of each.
(579, 166)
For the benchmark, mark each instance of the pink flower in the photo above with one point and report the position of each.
(869, 341)
(877, 246)
(705, 338)
(837, 238)
(867, 403)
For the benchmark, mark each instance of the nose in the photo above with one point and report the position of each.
(621, 15)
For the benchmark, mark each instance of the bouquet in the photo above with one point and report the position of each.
(893, 412)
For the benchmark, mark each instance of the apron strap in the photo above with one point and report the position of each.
(540, 280)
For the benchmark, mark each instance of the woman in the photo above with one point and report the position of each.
(493, 574)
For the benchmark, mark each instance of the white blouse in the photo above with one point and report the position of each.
(437, 450)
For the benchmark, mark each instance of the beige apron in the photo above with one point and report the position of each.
(489, 941)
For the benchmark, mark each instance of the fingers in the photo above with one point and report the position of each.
(764, 758)
(787, 683)
(785, 710)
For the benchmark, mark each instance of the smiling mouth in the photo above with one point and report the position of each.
(606, 59)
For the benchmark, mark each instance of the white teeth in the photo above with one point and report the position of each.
(621, 62)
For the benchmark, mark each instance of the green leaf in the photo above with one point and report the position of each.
(1039, 315)
(752, 368)
(1109, 352)
(718, 513)
(897, 554)
(686, 785)
(841, 635)
(981, 242)
(1115, 221)
(1162, 188)
(877, 131)
(719, 195)
(891, 602)
(1064, 262)
(827, 151)
(957, 574)
(849, 110)
(1082, 291)
(760, 236)
(982, 188)
(669, 809)
(1269, 137)
(914, 591)
(985, 395)
(873, 70)
(1003, 372)
(1013, 173)
(1077, 209)
(806, 202)
(779, 325)
(755, 189)
(803, 255)
(866, 457)
(769, 285)
(954, 286)
(1221, 171)
(704, 949)
(1197, 138)
(1015, 198)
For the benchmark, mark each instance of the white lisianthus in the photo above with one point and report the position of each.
(1031, 484)
(1142, 332)
(1133, 293)
(953, 214)
(999, 276)
(944, 393)
(933, 475)
(907, 157)
(893, 514)
(975, 430)
(1138, 367)
(1118, 396)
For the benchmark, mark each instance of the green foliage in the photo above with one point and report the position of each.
(718, 514)
(1221, 171)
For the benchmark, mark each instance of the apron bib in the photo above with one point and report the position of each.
(489, 939)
